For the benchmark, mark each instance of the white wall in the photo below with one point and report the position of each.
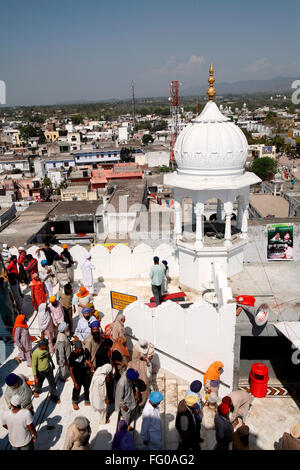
(197, 336)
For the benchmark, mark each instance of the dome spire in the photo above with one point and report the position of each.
(211, 80)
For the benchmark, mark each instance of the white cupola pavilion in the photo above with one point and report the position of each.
(210, 154)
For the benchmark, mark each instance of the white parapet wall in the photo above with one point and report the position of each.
(191, 338)
(121, 262)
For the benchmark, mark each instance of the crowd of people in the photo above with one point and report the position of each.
(98, 360)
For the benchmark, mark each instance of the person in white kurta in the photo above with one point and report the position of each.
(151, 431)
(46, 275)
(98, 391)
(87, 273)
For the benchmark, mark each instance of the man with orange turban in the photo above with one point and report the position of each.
(22, 339)
(212, 377)
(82, 299)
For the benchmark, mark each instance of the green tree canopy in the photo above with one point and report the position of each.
(28, 131)
(78, 119)
(47, 181)
(146, 139)
(264, 167)
(278, 141)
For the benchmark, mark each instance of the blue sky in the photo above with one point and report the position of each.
(58, 51)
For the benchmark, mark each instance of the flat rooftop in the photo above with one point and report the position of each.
(135, 189)
(267, 204)
(67, 209)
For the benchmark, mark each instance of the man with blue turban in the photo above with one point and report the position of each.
(83, 329)
(16, 385)
(151, 432)
(127, 395)
(47, 276)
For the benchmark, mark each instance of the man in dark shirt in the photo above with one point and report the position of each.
(50, 254)
(224, 428)
(31, 266)
(67, 255)
(80, 369)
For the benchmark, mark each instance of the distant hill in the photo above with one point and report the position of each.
(272, 85)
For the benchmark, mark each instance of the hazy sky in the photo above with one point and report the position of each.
(58, 51)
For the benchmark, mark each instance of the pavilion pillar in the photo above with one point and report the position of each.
(228, 207)
(178, 220)
(245, 218)
(199, 212)
(239, 217)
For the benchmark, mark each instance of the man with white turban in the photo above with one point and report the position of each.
(87, 273)
(19, 423)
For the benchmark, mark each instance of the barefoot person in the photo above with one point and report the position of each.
(80, 369)
(98, 392)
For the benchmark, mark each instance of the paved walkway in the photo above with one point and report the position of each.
(268, 418)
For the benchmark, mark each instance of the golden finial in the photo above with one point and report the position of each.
(211, 80)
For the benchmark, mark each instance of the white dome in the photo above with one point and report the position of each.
(211, 145)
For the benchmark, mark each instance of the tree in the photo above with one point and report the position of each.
(126, 155)
(278, 141)
(77, 119)
(264, 167)
(165, 169)
(160, 126)
(27, 131)
(147, 138)
(47, 181)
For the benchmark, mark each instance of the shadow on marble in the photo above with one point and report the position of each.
(46, 407)
(49, 434)
(102, 440)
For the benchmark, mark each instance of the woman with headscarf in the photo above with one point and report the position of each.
(123, 439)
(98, 392)
(142, 356)
(120, 356)
(117, 327)
(46, 326)
(81, 300)
(22, 339)
(212, 377)
(38, 293)
(78, 434)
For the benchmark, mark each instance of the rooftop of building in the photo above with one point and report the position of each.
(65, 209)
(133, 190)
(266, 204)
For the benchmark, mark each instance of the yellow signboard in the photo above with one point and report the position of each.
(120, 301)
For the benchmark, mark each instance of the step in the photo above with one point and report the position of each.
(177, 295)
